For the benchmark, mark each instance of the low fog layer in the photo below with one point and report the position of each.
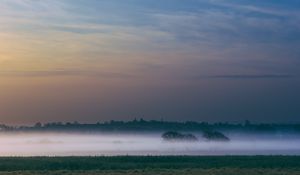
(142, 144)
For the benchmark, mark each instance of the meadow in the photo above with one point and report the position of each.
(147, 165)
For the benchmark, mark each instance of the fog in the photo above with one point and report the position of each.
(54, 144)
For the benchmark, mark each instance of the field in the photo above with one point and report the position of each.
(165, 165)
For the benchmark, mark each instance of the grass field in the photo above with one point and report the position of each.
(165, 165)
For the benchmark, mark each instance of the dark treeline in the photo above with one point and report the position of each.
(153, 125)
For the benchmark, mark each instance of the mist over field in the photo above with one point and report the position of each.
(71, 144)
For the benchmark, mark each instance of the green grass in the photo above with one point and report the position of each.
(141, 165)
(223, 171)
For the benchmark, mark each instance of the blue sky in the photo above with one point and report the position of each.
(194, 59)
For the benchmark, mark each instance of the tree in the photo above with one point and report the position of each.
(38, 125)
(176, 136)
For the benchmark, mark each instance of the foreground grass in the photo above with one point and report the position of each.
(156, 165)
(222, 171)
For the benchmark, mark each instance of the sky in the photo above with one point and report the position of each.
(99, 60)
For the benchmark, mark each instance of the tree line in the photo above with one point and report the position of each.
(154, 125)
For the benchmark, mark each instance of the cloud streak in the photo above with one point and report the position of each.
(251, 76)
(55, 73)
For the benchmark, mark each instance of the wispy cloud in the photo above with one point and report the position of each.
(223, 32)
(252, 76)
(55, 73)
(256, 8)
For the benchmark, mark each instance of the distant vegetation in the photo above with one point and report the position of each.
(208, 135)
(215, 136)
(176, 136)
(153, 125)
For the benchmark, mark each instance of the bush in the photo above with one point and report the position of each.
(215, 136)
(175, 136)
